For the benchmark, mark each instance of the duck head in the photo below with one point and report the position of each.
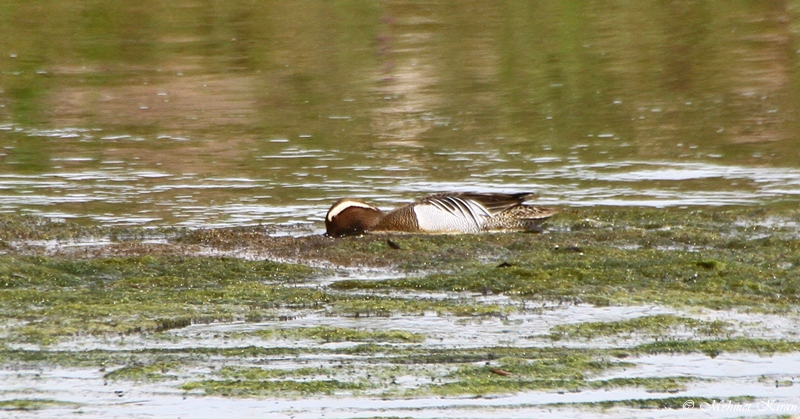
(349, 217)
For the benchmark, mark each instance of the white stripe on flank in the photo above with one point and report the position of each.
(345, 204)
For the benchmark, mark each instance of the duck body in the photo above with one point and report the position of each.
(440, 213)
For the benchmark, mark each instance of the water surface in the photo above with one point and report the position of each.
(233, 113)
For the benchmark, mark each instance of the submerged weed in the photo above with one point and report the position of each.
(377, 306)
(563, 370)
(713, 348)
(675, 403)
(250, 388)
(254, 374)
(658, 325)
(722, 259)
(605, 274)
(56, 298)
(157, 371)
(341, 334)
(651, 384)
(34, 404)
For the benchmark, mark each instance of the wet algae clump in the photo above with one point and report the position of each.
(267, 388)
(717, 260)
(603, 276)
(657, 325)
(144, 372)
(715, 347)
(676, 403)
(123, 308)
(55, 297)
(341, 334)
(34, 404)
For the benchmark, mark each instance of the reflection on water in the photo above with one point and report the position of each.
(180, 113)
(297, 184)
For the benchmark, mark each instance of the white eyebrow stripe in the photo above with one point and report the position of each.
(343, 205)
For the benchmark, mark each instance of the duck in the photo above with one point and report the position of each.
(442, 213)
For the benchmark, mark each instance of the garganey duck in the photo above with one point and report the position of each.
(440, 213)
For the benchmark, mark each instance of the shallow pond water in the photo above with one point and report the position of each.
(209, 114)
(248, 113)
(728, 376)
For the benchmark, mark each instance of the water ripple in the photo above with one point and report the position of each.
(113, 195)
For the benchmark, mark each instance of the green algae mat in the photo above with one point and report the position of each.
(608, 310)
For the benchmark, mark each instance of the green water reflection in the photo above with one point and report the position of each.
(308, 100)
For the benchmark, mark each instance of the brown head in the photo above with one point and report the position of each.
(349, 217)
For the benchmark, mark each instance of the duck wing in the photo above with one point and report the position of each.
(475, 205)
(464, 213)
